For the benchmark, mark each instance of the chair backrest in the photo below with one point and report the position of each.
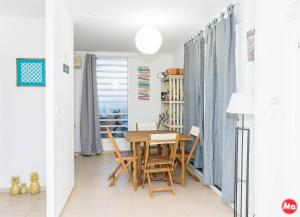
(146, 126)
(195, 131)
(171, 139)
(163, 138)
(114, 144)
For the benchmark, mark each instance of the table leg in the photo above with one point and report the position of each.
(139, 162)
(135, 166)
(182, 164)
(131, 150)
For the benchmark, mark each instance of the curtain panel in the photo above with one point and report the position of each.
(194, 91)
(209, 98)
(229, 121)
(90, 139)
(209, 81)
(220, 83)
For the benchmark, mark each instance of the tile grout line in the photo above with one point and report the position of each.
(5, 207)
(31, 207)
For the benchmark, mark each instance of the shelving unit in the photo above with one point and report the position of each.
(172, 98)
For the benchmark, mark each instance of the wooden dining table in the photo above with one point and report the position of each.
(136, 138)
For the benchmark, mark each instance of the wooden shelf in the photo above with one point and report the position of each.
(167, 78)
(172, 126)
(172, 102)
(172, 109)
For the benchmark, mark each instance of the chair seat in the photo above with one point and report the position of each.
(126, 155)
(159, 170)
(159, 161)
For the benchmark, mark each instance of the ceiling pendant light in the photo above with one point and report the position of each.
(148, 40)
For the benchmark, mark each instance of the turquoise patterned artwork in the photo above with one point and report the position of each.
(31, 72)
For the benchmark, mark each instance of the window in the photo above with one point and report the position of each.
(112, 84)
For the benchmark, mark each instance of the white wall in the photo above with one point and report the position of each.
(59, 106)
(138, 111)
(295, 149)
(246, 75)
(178, 57)
(276, 94)
(22, 110)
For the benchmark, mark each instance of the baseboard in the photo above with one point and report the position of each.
(7, 190)
(108, 152)
(77, 154)
(107, 146)
(64, 207)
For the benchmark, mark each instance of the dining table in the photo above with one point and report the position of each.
(137, 138)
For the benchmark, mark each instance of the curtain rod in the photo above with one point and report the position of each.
(229, 10)
(200, 33)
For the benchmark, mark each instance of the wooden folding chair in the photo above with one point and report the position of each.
(124, 158)
(161, 164)
(194, 132)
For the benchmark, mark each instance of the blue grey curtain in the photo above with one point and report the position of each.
(220, 83)
(194, 90)
(229, 121)
(89, 118)
(209, 98)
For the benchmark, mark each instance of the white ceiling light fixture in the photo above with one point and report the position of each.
(148, 40)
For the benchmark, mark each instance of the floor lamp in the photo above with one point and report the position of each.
(241, 104)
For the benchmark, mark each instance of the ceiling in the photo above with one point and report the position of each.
(22, 8)
(111, 25)
(106, 34)
(190, 11)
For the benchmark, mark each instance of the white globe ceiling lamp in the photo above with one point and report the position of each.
(148, 40)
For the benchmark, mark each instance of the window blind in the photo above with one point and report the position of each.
(112, 84)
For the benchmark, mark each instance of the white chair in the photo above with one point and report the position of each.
(149, 126)
(146, 126)
(194, 132)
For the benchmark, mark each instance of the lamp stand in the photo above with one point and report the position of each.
(241, 179)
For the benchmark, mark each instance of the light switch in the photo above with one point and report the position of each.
(298, 44)
(274, 107)
(274, 100)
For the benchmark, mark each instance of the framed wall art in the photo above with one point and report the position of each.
(77, 62)
(144, 83)
(31, 72)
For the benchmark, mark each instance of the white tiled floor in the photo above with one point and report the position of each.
(23, 205)
(92, 196)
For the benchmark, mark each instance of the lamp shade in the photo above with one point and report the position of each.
(148, 40)
(241, 103)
